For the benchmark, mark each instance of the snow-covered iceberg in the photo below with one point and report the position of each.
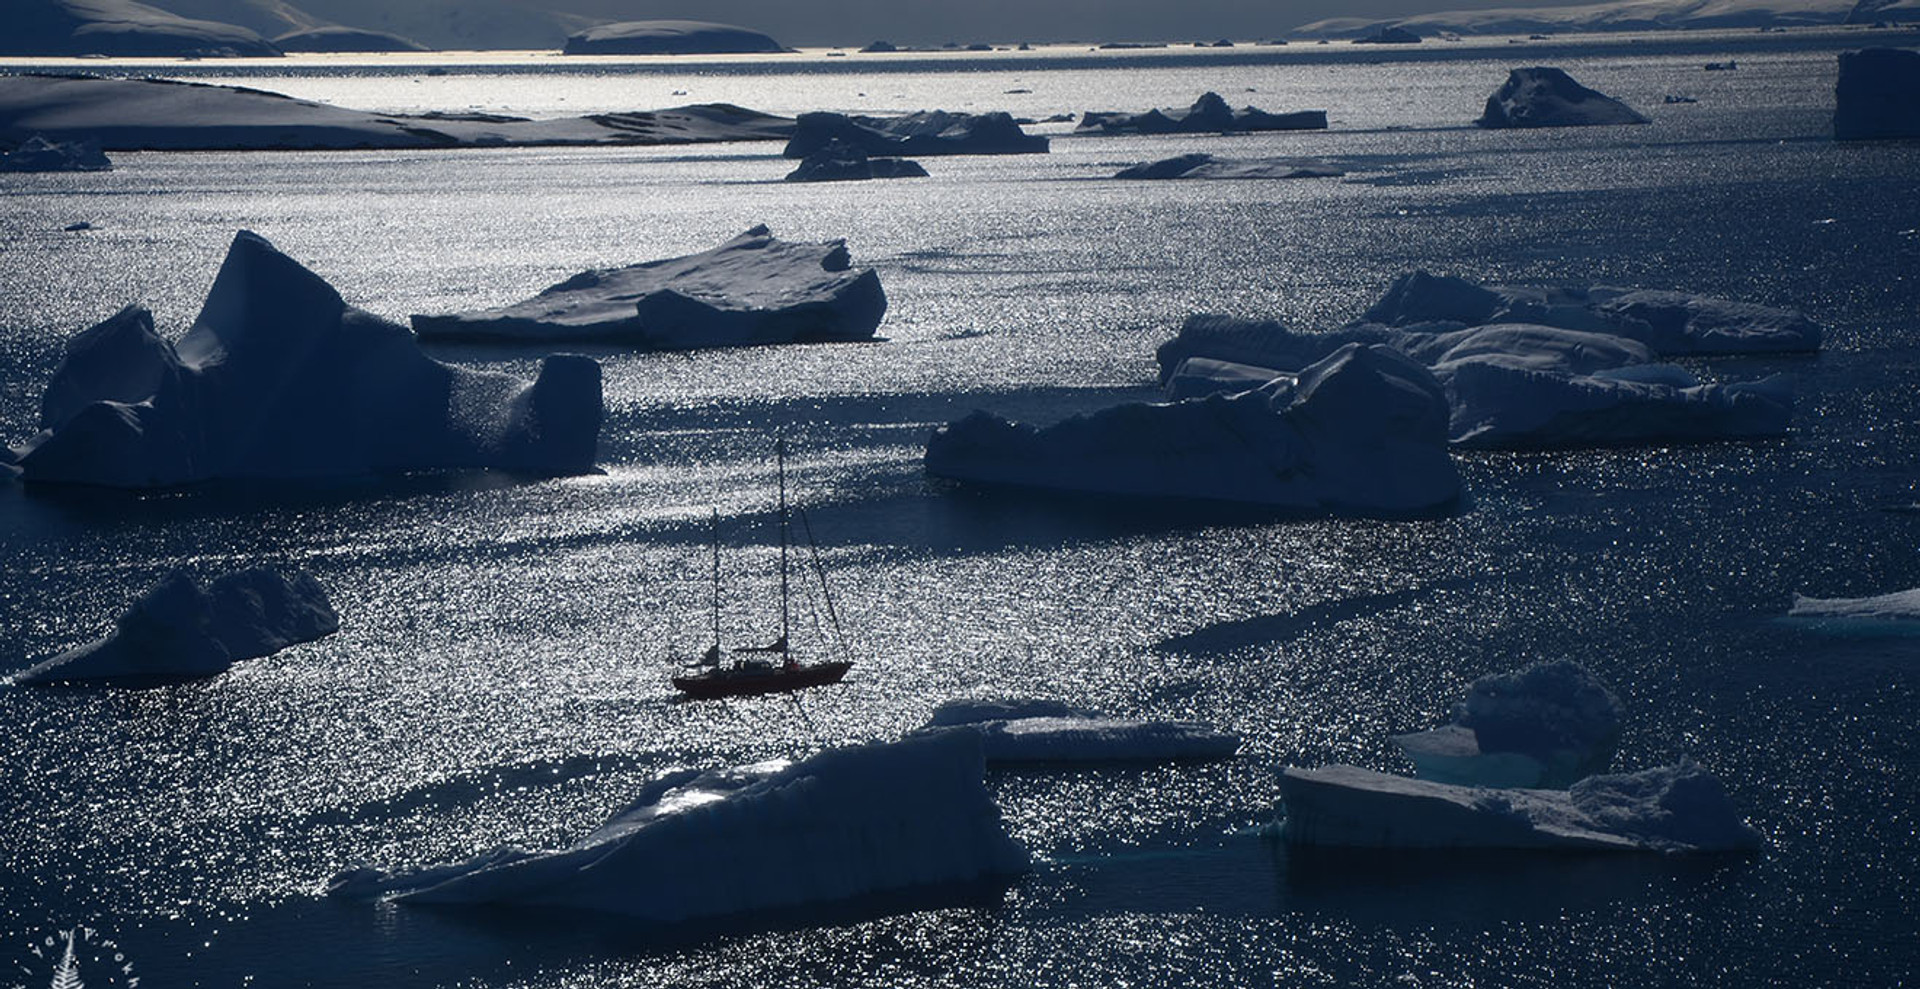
(37, 154)
(1016, 731)
(1544, 96)
(669, 38)
(1877, 95)
(1361, 432)
(1546, 726)
(927, 132)
(1899, 606)
(179, 630)
(120, 28)
(1200, 165)
(279, 377)
(1679, 808)
(335, 38)
(838, 162)
(841, 825)
(1209, 114)
(754, 289)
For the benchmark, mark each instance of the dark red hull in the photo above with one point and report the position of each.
(735, 682)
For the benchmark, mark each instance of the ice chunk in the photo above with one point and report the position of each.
(1898, 606)
(1361, 432)
(37, 154)
(1543, 96)
(838, 162)
(1208, 114)
(279, 377)
(1205, 166)
(1014, 731)
(1545, 726)
(928, 132)
(176, 630)
(1679, 808)
(754, 289)
(843, 824)
(669, 38)
(1877, 95)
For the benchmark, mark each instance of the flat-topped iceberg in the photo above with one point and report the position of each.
(1544, 96)
(178, 630)
(1209, 114)
(1360, 432)
(669, 38)
(1897, 606)
(279, 377)
(1679, 808)
(752, 290)
(37, 154)
(927, 132)
(1200, 165)
(1877, 95)
(1018, 731)
(838, 826)
(1546, 726)
(838, 162)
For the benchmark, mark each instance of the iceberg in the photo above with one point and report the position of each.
(1675, 809)
(1209, 114)
(1546, 727)
(1021, 731)
(1389, 34)
(279, 377)
(1898, 606)
(752, 290)
(1360, 432)
(334, 38)
(928, 132)
(1205, 166)
(669, 38)
(838, 826)
(1543, 96)
(178, 630)
(837, 162)
(1612, 15)
(120, 28)
(37, 154)
(1877, 95)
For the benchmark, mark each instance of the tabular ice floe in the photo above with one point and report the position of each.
(1545, 726)
(1898, 606)
(669, 38)
(840, 162)
(178, 630)
(1205, 166)
(279, 377)
(37, 154)
(754, 289)
(843, 824)
(1361, 432)
(1015, 731)
(1679, 808)
(1209, 114)
(1544, 96)
(1875, 95)
(927, 132)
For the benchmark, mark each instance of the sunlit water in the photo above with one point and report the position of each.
(500, 674)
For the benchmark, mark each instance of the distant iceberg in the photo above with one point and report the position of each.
(669, 38)
(1680, 808)
(1205, 166)
(37, 154)
(1018, 731)
(334, 38)
(1543, 96)
(838, 826)
(927, 132)
(1209, 114)
(838, 162)
(1898, 606)
(1545, 726)
(752, 290)
(1361, 432)
(120, 29)
(279, 377)
(1877, 95)
(177, 630)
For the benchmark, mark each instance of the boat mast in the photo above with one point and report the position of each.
(716, 582)
(780, 454)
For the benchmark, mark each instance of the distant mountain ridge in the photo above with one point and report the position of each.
(1625, 15)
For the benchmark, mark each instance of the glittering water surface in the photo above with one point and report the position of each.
(500, 674)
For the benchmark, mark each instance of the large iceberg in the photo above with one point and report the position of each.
(119, 28)
(37, 154)
(1546, 726)
(1679, 808)
(1897, 606)
(178, 630)
(1022, 731)
(754, 289)
(669, 38)
(1200, 165)
(279, 377)
(1209, 114)
(928, 132)
(1360, 432)
(1543, 96)
(1877, 95)
(837, 162)
(841, 825)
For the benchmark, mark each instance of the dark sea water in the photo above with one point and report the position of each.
(500, 673)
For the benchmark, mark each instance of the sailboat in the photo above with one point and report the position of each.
(755, 670)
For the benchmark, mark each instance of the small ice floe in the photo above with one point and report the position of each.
(1874, 96)
(38, 154)
(1678, 808)
(1546, 726)
(838, 162)
(1206, 166)
(1021, 731)
(755, 289)
(1209, 114)
(841, 825)
(927, 132)
(178, 630)
(1544, 96)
